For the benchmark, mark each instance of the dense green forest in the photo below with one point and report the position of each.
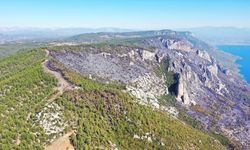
(24, 88)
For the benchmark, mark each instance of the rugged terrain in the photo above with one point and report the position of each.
(136, 90)
(204, 86)
(41, 108)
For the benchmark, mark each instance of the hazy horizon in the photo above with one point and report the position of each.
(132, 29)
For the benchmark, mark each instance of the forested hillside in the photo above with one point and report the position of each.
(24, 88)
(100, 115)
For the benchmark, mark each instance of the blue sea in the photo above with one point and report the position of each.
(244, 52)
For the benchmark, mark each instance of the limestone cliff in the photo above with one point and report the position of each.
(201, 80)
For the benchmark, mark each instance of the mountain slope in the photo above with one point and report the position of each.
(104, 116)
(203, 86)
(101, 115)
(23, 90)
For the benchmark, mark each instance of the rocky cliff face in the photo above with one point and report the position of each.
(204, 82)
(223, 99)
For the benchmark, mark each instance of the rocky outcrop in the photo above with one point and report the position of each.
(201, 80)
(204, 55)
(213, 69)
(51, 120)
(147, 55)
(112, 67)
(135, 67)
(148, 88)
(179, 45)
(182, 94)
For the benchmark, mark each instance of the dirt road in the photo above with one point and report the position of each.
(62, 143)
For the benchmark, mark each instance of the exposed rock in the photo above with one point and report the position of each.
(202, 80)
(51, 120)
(136, 137)
(148, 88)
(132, 67)
(149, 139)
(182, 94)
(213, 69)
(146, 55)
(205, 82)
(159, 56)
(179, 45)
(105, 55)
(204, 55)
(105, 66)
(171, 110)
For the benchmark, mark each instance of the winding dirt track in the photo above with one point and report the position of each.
(62, 143)
(62, 85)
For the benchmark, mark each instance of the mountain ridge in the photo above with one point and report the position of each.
(129, 82)
(201, 82)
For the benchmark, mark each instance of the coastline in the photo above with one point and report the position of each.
(241, 52)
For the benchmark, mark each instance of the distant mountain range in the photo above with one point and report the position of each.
(17, 34)
(222, 35)
(212, 35)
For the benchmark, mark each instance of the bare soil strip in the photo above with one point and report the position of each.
(62, 143)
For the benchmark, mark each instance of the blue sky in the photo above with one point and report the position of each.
(136, 14)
